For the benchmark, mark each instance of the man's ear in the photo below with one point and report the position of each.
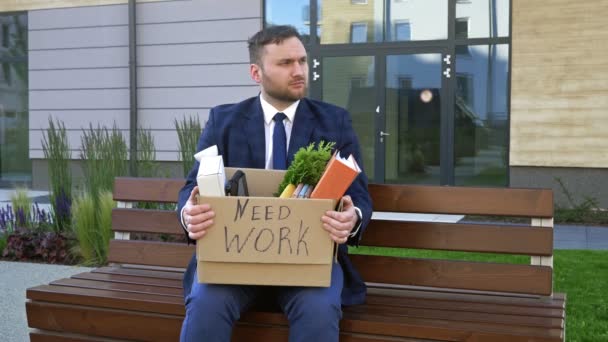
(255, 72)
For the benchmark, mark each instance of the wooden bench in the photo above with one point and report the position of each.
(139, 296)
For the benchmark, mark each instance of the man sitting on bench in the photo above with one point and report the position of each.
(264, 132)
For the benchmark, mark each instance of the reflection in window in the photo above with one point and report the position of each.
(349, 83)
(405, 82)
(387, 20)
(462, 28)
(293, 12)
(481, 122)
(464, 89)
(403, 31)
(358, 32)
(357, 82)
(5, 35)
(489, 18)
(413, 117)
(15, 165)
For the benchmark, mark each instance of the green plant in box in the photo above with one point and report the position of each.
(308, 165)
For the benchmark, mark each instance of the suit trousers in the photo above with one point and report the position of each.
(314, 313)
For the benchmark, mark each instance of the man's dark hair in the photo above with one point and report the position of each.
(270, 35)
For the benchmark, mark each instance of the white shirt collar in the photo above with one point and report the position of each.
(270, 111)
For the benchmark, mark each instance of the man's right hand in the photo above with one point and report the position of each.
(197, 217)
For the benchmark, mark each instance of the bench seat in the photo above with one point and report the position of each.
(132, 303)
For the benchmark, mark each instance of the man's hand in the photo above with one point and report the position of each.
(340, 224)
(197, 217)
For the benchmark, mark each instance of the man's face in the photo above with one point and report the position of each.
(283, 73)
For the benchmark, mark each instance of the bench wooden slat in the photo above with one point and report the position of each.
(129, 279)
(151, 253)
(460, 237)
(461, 200)
(141, 272)
(120, 287)
(434, 329)
(455, 274)
(103, 322)
(47, 336)
(478, 303)
(557, 300)
(458, 314)
(427, 329)
(162, 190)
(466, 307)
(146, 221)
(107, 299)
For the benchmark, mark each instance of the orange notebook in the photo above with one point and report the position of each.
(337, 177)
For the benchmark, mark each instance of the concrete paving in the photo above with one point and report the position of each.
(15, 278)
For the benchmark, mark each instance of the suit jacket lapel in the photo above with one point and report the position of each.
(254, 130)
(301, 130)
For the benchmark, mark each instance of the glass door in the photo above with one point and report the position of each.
(397, 104)
(411, 139)
(350, 82)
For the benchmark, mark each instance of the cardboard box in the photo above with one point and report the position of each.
(264, 240)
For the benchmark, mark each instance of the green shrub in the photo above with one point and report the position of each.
(147, 166)
(91, 219)
(58, 155)
(586, 211)
(188, 132)
(22, 207)
(104, 156)
(3, 238)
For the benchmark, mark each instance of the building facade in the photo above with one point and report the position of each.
(445, 92)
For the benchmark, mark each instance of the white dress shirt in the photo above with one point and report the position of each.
(269, 112)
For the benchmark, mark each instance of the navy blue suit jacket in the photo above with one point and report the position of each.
(238, 132)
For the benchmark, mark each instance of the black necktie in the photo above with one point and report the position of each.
(279, 143)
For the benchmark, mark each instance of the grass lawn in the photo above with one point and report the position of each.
(582, 275)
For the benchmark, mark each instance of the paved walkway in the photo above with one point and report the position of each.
(15, 278)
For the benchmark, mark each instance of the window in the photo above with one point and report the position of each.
(481, 118)
(293, 12)
(357, 82)
(15, 164)
(358, 32)
(462, 32)
(5, 35)
(403, 31)
(464, 88)
(462, 28)
(429, 18)
(405, 82)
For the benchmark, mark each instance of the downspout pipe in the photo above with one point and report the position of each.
(132, 88)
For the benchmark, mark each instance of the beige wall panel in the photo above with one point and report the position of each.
(559, 84)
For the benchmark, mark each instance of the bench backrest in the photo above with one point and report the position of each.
(534, 239)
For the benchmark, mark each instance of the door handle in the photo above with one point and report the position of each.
(382, 135)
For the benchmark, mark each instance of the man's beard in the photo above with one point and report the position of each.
(284, 95)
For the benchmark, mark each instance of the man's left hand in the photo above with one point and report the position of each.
(340, 224)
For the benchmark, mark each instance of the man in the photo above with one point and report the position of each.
(246, 135)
